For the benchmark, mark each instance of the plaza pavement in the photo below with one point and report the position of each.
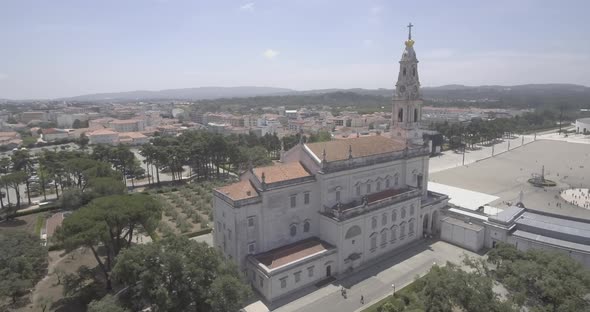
(375, 281)
(505, 175)
(451, 159)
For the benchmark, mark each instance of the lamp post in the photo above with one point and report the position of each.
(393, 286)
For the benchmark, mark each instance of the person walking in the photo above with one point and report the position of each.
(362, 299)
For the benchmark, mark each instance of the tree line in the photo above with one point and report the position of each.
(480, 131)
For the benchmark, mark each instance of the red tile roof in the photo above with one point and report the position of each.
(239, 190)
(281, 172)
(286, 254)
(361, 147)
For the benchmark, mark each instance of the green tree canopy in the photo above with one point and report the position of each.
(23, 261)
(110, 221)
(178, 274)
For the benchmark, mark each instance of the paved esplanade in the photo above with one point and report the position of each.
(374, 282)
(506, 175)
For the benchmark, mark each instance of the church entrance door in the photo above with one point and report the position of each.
(328, 271)
(425, 224)
(434, 225)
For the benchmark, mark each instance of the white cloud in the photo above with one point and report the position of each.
(270, 54)
(248, 6)
(3, 76)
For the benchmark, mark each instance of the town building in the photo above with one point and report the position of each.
(103, 136)
(583, 125)
(329, 208)
(127, 125)
(27, 117)
(52, 134)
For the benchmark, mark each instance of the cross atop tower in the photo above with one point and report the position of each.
(410, 31)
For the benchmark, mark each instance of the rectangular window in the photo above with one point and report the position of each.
(310, 271)
(358, 191)
(252, 247)
(338, 196)
(368, 188)
(378, 186)
(293, 201)
(284, 282)
(251, 222)
(306, 198)
(387, 183)
(229, 234)
(261, 281)
(297, 276)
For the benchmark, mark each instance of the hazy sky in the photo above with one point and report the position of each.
(55, 48)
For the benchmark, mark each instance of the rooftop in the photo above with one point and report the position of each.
(559, 243)
(290, 253)
(133, 135)
(239, 190)
(124, 121)
(358, 147)
(554, 224)
(281, 172)
(104, 131)
(507, 215)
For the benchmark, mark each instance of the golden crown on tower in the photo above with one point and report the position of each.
(409, 43)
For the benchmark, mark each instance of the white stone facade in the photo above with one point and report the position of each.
(330, 208)
(583, 126)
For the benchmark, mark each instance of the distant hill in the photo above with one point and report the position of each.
(239, 98)
(182, 94)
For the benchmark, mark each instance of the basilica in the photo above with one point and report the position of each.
(330, 208)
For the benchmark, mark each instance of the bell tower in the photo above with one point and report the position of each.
(407, 102)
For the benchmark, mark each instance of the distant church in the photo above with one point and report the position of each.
(333, 207)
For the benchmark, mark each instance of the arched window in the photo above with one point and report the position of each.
(374, 241)
(412, 209)
(415, 115)
(374, 222)
(393, 233)
(383, 238)
(393, 216)
(384, 219)
(293, 230)
(404, 71)
(387, 183)
(414, 71)
(402, 231)
(396, 181)
(369, 188)
(403, 213)
(411, 231)
(378, 186)
(400, 115)
(354, 231)
(306, 226)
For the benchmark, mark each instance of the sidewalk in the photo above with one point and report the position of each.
(375, 282)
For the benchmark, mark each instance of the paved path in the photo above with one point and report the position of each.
(375, 282)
